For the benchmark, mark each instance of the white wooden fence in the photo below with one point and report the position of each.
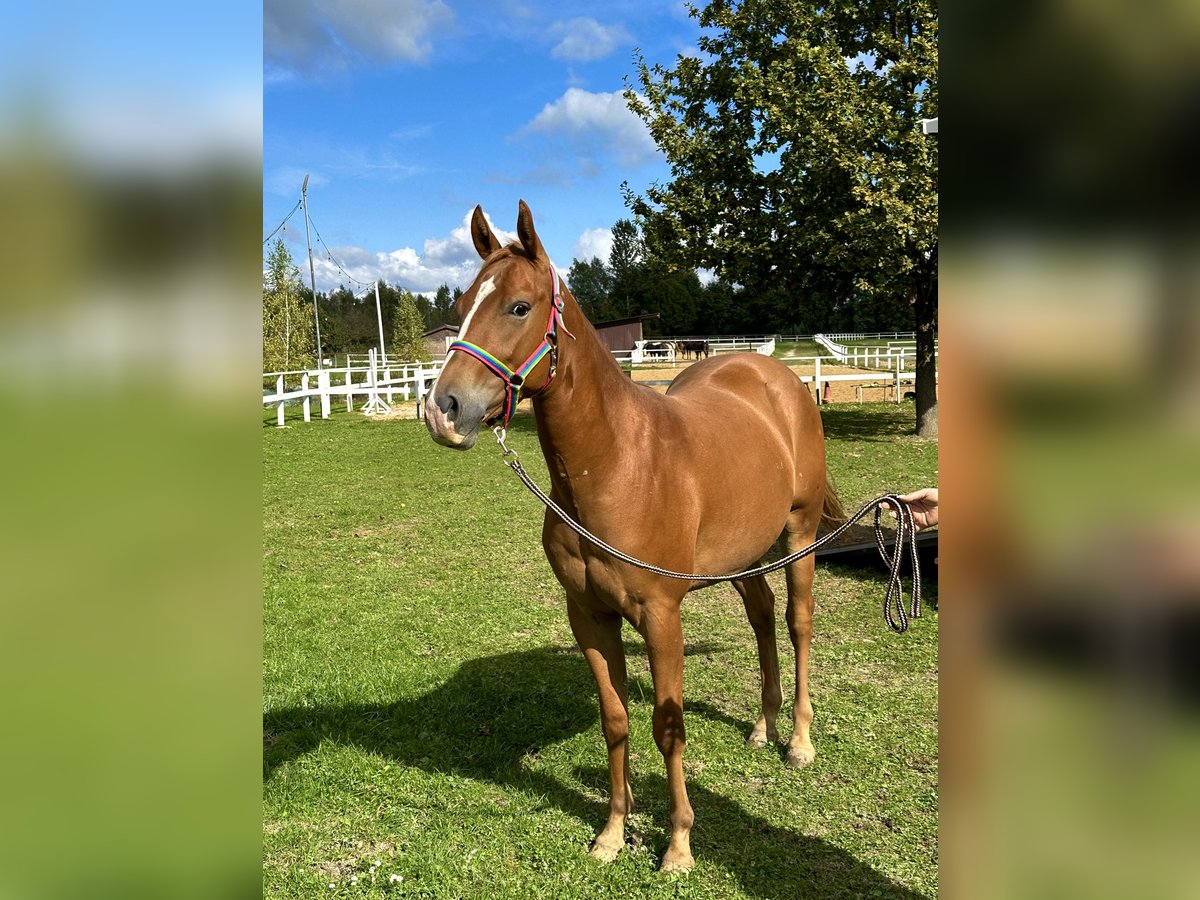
(881, 356)
(872, 336)
(895, 379)
(380, 385)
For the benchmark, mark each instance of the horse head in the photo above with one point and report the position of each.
(507, 344)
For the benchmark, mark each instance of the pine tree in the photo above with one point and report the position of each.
(408, 334)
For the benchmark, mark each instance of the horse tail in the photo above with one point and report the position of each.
(832, 514)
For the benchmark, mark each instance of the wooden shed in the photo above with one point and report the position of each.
(439, 339)
(619, 335)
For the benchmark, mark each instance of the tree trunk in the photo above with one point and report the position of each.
(926, 368)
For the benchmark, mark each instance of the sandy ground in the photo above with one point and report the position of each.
(839, 391)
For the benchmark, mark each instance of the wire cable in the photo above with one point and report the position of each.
(281, 224)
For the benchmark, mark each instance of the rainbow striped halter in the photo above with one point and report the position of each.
(514, 381)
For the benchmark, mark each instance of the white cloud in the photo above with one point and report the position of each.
(311, 37)
(595, 242)
(585, 39)
(595, 120)
(448, 260)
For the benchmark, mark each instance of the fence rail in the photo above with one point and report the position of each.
(380, 384)
(881, 357)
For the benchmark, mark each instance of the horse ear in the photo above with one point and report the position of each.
(527, 234)
(485, 241)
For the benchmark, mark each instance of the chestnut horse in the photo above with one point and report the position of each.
(729, 459)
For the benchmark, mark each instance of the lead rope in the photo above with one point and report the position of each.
(906, 534)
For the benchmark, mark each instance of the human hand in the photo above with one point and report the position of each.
(924, 506)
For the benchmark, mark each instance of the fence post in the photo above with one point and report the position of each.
(307, 399)
(323, 387)
(279, 407)
(898, 378)
(349, 385)
(817, 379)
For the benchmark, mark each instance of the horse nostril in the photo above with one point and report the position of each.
(447, 403)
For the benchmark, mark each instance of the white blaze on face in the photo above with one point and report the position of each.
(488, 285)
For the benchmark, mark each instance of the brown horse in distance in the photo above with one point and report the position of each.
(734, 450)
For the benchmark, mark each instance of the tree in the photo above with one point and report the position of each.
(624, 265)
(408, 335)
(289, 340)
(591, 285)
(797, 158)
(443, 306)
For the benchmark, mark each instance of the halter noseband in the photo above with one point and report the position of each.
(515, 381)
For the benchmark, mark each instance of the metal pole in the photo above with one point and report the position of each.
(312, 275)
(379, 318)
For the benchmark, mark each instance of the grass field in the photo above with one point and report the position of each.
(798, 348)
(431, 731)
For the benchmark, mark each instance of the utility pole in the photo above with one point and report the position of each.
(312, 275)
(379, 318)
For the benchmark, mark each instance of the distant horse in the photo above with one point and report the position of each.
(714, 504)
(659, 349)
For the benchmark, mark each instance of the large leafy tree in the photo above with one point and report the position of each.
(289, 340)
(591, 285)
(797, 158)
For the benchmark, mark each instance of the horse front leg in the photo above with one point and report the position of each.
(598, 634)
(663, 632)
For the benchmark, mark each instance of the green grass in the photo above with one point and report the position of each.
(425, 707)
(798, 348)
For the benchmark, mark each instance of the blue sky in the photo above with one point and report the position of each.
(407, 113)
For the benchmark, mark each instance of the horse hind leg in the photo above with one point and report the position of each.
(801, 531)
(760, 610)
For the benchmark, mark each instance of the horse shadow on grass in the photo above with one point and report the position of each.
(852, 422)
(496, 712)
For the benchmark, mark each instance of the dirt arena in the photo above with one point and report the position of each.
(839, 391)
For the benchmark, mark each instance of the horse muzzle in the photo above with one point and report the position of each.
(454, 418)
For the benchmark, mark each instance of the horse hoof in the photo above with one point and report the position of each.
(677, 863)
(799, 757)
(759, 739)
(604, 853)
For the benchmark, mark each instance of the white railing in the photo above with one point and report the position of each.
(881, 356)
(871, 336)
(894, 379)
(380, 384)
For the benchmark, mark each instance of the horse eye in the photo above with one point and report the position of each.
(520, 310)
